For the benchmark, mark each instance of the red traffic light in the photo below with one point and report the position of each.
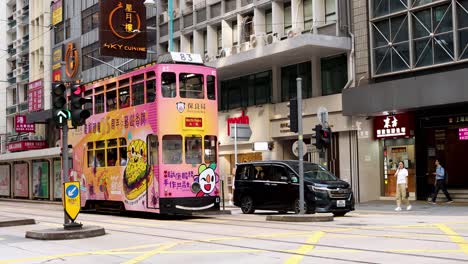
(77, 89)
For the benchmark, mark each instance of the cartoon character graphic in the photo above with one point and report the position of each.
(137, 173)
(206, 180)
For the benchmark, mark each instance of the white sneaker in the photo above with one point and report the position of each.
(398, 209)
(408, 207)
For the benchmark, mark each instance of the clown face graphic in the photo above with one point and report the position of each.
(206, 179)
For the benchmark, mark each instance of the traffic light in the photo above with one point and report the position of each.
(326, 137)
(59, 113)
(78, 114)
(318, 136)
(293, 115)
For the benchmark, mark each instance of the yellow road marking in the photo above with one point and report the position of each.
(305, 248)
(455, 237)
(213, 251)
(151, 253)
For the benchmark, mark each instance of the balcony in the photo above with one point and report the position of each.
(11, 23)
(12, 79)
(11, 51)
(11, 110)
(25, 76)
(23, 106)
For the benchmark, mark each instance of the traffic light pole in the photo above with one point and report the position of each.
(65, 165)
(300, 141)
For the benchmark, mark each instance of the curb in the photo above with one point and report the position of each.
(62, 234)
(220, 212)
(301, 218)
(17, 222)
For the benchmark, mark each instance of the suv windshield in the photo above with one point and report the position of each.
(315, 172)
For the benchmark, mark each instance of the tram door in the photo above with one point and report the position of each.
(153, 162)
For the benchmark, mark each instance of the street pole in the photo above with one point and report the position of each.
(235, 146)
(65, 164)
(171, 29)
(300, 141)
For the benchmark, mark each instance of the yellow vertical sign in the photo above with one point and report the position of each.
(72, 201)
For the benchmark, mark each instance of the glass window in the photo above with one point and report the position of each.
(211, 87)
(287, 17)
(150, 91)
(219, 35)
(193, 150)
(433, 36)
(90, 147)
(334, 74)
(191, 85)
(111, 102)
(280, 174)
(99, 103)
(215, 10)
(67, 28)
(230, 5)
(385, 7)
(168, 84)
(138, 94)
(111, 156)
(289, 83)
(123, 151)
(153, 158)
(268, 21)
(89, 105)
(201, 15)
(100, 158)
(90, 18)
(210, 149)
(245, 172)
(58, 33)
(462, 13)
(172, 149)
(330, 10)
(124, 97)
(308, 14)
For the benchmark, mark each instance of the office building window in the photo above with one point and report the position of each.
(287, 17)
(67, 28)
(219, 36)
(330, 11)
(90, 18)
(89, 52)
(334, 71)
(58, 33)
(230, 5)
(215, 10)
(386, 7)
(268, 21)
(249, 90)
(308, 14)
(289, 83)
(235, 37)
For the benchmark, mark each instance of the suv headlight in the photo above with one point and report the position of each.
(318, 189)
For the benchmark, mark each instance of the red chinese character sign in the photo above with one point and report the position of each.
(35, 96)
(394, 126)
(22, 126)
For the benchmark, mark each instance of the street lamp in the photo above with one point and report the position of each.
(152, 3)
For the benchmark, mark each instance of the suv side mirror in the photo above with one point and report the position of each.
(294, 179)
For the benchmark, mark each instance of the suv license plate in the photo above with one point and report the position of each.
(341, 203)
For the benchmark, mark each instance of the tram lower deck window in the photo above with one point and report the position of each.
(172, 149)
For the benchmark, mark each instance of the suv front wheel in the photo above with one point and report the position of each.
(247, 205)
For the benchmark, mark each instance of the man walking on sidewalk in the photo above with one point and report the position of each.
(440, 183)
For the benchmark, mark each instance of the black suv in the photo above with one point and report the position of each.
(274, 185)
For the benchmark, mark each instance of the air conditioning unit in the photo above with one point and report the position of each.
(245, 46)
(222, 53)
(175, 13)
(256, 41)
(234, 50)
(271, 38)
(293, 33)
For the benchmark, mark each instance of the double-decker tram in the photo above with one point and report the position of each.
(151, 142)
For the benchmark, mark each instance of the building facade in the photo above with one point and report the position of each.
(410, 73)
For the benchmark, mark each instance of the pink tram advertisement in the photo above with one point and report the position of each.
(151, 141)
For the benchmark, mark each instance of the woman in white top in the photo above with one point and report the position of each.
(402, 185)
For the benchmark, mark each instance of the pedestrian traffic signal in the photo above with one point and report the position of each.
(293, 115)
(78, 114)
(326, 137)
(318, 136)
(59, 112)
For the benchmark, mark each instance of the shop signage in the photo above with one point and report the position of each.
(26, 145)
(122, 31)
(463, 133)
(72, 202)
(57, 12)
(22, 126)
(35, 94)
(243, 119)
(72, 60)
(393, 126)
(57, 58)
(193, 122)
(57, 75)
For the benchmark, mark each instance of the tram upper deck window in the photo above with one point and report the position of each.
(150, 91)
(111, 100)
(99, 103)
(89, 105)
(211, 87)
(191, 85)
(124, 97)
(168, 84)
(138, 93)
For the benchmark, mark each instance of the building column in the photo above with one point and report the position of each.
(185, 43)
(276, 84)
(297, 8)
(316, 77)
(226, 32)
(212, 41)
(198, 42)
(259, 24)
(277, 11)
(318, 14)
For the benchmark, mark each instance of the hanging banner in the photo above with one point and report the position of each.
(4, 180)
(21, 188)
(40, 179)
(57, 12)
